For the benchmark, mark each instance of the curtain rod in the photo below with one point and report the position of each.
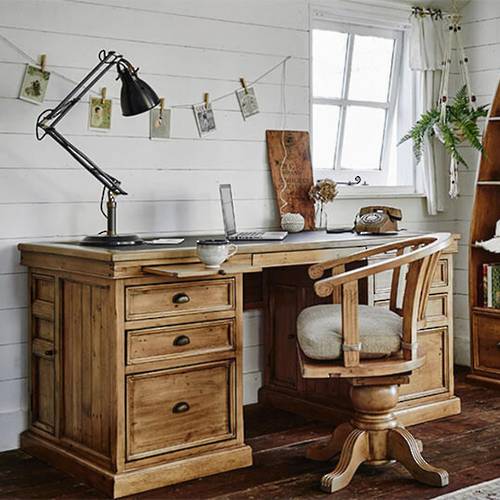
(436, 14)
(427, 11)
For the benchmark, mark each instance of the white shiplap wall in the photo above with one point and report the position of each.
(481, 31)
(184, 48)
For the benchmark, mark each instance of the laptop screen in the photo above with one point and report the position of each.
(226, 199)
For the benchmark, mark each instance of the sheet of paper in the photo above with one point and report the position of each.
(164, 241)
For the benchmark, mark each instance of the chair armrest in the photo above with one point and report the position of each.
(325, 287)
(317, 270)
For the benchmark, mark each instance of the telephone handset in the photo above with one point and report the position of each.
(377, 220)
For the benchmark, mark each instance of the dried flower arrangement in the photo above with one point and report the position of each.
(322, 192)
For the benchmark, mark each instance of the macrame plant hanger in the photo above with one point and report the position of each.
(454, 35)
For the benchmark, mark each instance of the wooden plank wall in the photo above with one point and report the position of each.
(184, 48)
(481, 31)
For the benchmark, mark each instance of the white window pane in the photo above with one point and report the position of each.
(325, 126)
(328, 52)
(363, 136)
(371, 68)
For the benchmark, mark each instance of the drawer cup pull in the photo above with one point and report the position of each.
(181, 340)
(180, 298)
(498, 345)
(181, 407)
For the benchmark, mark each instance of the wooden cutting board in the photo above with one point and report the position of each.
(296, 171)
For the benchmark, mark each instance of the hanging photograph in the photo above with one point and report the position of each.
(100, 113)
(159, 123)
(204, 117)
(34, 86)
(248, 102)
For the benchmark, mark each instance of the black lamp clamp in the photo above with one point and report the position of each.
(136, 97)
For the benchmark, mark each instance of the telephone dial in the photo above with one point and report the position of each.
(377, 220)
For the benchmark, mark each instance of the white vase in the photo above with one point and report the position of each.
(320, 217)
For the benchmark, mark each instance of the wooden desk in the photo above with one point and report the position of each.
(136, 355)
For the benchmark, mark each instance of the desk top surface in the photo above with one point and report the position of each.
(307, 240)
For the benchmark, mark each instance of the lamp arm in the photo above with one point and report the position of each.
(106, 179)
(48, 119)
(51, 117)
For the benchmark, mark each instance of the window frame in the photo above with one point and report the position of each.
(372, 176)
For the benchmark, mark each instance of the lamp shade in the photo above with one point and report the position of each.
(136, 95)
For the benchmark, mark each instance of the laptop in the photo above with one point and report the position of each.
(226, 198)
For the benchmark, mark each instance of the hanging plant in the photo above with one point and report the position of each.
(458, 126)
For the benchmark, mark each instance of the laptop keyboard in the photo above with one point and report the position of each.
(250, 235)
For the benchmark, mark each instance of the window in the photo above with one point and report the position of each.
(354, 81)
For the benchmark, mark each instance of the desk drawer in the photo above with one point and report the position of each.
(436, 312)
(173, 299)
(158, 344)
(382, 281)
(181, 408)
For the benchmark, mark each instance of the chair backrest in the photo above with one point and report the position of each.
(421, 256)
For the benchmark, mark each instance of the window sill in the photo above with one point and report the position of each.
(377, 192)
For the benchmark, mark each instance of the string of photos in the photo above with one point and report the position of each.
(36, 80)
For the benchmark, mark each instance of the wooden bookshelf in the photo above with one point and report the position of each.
(485, 321)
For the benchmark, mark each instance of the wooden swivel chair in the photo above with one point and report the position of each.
(376, 349)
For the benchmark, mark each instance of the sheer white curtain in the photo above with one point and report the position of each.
(427, 47)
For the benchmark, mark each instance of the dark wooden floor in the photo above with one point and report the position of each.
(467, 445)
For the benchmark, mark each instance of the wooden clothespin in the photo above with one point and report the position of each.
(103, 94)
(244, 85)
(43, 61)
(206, 99)
(159, 120)
(162, 107)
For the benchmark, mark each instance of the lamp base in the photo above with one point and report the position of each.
(115, 240)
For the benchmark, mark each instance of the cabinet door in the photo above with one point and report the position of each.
(288, 291)
(43, 353)
(486, 351)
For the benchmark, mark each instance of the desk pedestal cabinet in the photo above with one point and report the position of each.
(136, 375)
(430, 392)
(136, 383)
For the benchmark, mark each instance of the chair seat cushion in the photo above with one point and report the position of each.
(319, 331)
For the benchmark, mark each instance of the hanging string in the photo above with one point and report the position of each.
(253, 82)
(445, 79)
(283, 95)
(284, 185)
(33, 61)
(454, 32)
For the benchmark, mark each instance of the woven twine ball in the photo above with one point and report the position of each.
(293, 223)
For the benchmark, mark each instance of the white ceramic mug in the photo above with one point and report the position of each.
(214, 252)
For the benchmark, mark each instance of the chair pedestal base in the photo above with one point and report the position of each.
(374, 437)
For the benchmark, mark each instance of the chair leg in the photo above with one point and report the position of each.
(404, 448)
(355, 451)
(334, 445)
(374, 436)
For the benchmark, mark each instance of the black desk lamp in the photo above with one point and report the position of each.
(136, 97)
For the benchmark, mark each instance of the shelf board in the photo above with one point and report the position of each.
(488, 183)
(494, 119)
(475, 245)
(486, 310)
